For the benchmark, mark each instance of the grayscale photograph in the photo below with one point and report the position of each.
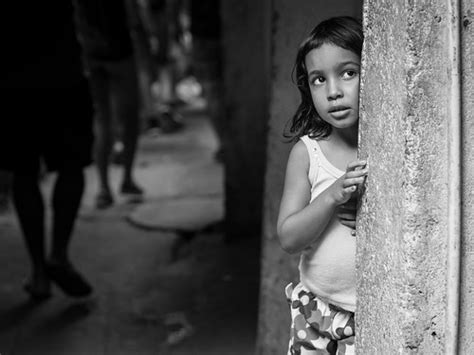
(223, 177)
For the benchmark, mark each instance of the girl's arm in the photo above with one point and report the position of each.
(300, 223)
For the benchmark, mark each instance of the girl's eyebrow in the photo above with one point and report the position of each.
(339, 65)
(314, 72)
(349, 62)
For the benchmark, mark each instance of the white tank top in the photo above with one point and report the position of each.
(327, 267)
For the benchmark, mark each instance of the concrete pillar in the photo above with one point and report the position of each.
(246, 63)
(291, 22)
(466, 321)
(410, 231)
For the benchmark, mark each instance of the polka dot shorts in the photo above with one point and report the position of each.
(318, 327)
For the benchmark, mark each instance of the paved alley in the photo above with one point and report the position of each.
(157, 291)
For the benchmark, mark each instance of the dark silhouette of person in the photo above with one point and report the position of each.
(161, 28)
(104, 33)
(46, 126)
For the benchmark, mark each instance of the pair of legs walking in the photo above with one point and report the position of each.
(30, 208)
(53, 126)
(115, 97)
(207, 66)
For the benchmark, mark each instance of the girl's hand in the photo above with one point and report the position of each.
(345, 189)
(346, 186)
(347, 213)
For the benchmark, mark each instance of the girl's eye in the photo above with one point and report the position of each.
(349, 74)
(317, 80)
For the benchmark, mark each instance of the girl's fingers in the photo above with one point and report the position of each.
(349, 205)
(350, 224)
(356, 173)
(348, 191)
(347, 210)
(354, 164)
(353, 181)
(347, 216)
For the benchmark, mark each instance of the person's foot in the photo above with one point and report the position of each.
(38, 288)
(177, 103)
(169, 122)
(68, 279)
(132, 192)
(104, 200)
(130, 188)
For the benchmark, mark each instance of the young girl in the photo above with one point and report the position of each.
(317, 211)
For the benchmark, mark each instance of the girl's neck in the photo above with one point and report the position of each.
(340, 148)
(347, 136)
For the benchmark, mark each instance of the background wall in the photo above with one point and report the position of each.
(246, 63)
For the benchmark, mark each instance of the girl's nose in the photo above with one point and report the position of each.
(334, 91)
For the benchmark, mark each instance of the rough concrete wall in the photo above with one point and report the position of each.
(403, 222)
(291, 22)
(466, 344)
(246, 63)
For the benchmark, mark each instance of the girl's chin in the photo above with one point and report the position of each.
(354, 124)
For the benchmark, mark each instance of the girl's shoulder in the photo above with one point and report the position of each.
(304, 157)
(299, 151)
(306, 148)
(298, 160)
(311, 144)
(312, 152)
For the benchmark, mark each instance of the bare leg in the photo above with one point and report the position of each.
(99, 80)
(67, 195)
(125, 105)
(66, 201)
(212, 91)
(207, 66)
(169, 119)
(29, 206)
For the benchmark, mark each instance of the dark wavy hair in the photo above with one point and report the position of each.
(344, 32)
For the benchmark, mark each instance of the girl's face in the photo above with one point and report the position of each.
(333, 77)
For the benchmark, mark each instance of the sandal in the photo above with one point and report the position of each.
(170, 122)
(130, 188)
(37, 293)
(68, 280)
(103, 200)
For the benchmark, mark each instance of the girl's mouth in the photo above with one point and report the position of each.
(338, 109)
(339, 112)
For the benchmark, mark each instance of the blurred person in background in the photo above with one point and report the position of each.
(104, 31)
(163, 29)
